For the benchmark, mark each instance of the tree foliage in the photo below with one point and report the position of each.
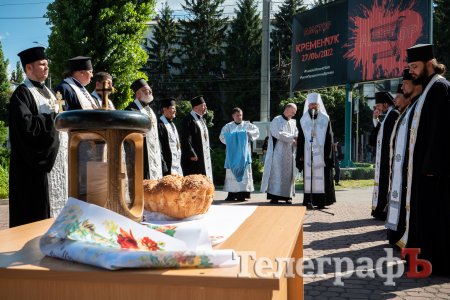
(20, 75)
(201, 41)
(281, 48)
(441, 32)
(4, 85)
(161, 51)
(111, 32)
(243, 59)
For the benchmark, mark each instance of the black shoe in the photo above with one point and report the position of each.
(229, 199)
(273, 201)
(309, 206)
(241, 199)
(289, 201)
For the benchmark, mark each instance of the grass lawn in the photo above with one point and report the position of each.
(345, 184)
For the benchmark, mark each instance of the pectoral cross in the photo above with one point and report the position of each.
(60, 102)
(105, 91)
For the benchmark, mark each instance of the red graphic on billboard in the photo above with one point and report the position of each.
(379, 36)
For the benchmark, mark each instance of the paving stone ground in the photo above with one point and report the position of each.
(350, 234)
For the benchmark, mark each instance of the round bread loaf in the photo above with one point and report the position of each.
(179, 197)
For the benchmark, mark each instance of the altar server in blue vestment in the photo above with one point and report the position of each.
(237, 136)
(279, 167)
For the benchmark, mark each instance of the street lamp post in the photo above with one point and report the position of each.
(49, 73)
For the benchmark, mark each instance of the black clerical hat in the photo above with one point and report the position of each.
(407, 75)
(167, 102)
(80, 63)
(399, 88)
(197, 100)
(31, 55)
(137, 84)
(420, 52)
(384, 97)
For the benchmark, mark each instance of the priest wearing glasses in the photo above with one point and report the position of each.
(38, 160)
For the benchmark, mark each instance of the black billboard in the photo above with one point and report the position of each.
(352, 41)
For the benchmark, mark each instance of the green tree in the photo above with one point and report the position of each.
(201, 40)
(20, 76)
(111, 32)
(441, 32)
(4, 86)
(161, 53)
(281, 49)
(243, 59)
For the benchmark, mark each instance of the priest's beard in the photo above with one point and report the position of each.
(421, 78)
(147, 99)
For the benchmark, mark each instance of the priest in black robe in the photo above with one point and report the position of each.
(195, 151)
(143, 95)
(34, 143)
(315, 126)
(428, 222)
(379, 140)
(72, 88)
(396, 213)
(169, 138)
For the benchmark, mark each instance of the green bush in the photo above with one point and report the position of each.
(218, 161)
(357, 173)
(363, 165)
(4, 184)
(257, 169)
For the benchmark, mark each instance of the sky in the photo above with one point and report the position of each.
(22, 23)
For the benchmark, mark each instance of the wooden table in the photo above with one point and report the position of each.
(272, 231)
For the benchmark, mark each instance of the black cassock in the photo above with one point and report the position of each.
(191, 145)
(429, 223)
(385, 168)
(395, 235)
(329, 197)
(34, 146)
(166, 153)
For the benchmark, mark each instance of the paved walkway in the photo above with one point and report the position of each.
(351, 233)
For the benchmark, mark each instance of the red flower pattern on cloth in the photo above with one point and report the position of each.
(150, 244)
(126, 240)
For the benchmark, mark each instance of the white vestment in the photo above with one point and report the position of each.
(231, 184)
(153, 146)
(174, 144)
(319, 132)
(279, 166)
(58, 176)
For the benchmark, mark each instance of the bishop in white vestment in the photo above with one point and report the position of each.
(279, 167)
(315, 155)
(237, 136)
